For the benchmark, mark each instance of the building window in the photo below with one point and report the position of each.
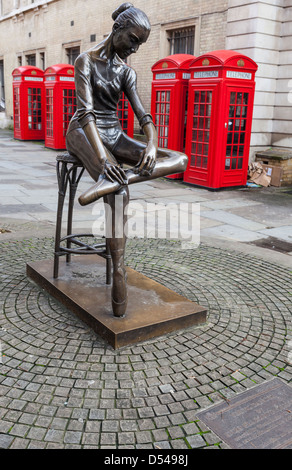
(2, 90)
(72, 54)
(42, 60)
(30, 59)
(181, 41)
(19, 60)
(92, 37)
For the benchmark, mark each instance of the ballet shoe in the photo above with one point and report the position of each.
(119, 308)
(98, 190)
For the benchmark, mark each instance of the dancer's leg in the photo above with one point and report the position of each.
(168, 162)
(116, 218)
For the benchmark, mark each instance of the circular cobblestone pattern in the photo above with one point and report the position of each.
(62, 386)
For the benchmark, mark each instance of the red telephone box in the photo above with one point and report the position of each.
(28, 97)
(169, 101)
(221, 96)
(60, 103)
(126, 116)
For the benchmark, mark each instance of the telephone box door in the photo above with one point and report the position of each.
(238, 120)
(162, 115)
(200, 129)
(126, 115)
(169, 101)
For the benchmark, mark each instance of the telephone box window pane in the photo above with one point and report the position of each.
(122, 112)
(162, 117)
(232, 97)
(209, 97)
(49, 112)
(16, 109)
(231, 111)
(200, 136)
(201, 126)
(34, 109)
(236, 129)
(227, 164)
(238, 111)
(69, 108)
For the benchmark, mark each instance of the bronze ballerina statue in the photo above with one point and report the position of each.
(95, 135)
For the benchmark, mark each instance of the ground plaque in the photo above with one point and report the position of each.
(260, 418)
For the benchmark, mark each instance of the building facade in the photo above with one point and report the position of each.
(47, 32)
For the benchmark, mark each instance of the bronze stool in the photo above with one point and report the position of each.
(70, 170)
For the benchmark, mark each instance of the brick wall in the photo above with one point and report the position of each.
(49, 23)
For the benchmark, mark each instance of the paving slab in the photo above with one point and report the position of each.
(231, 219)
(233, 232)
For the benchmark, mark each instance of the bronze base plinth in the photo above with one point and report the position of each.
(153, 310)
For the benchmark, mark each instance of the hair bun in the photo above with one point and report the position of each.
(120, 9)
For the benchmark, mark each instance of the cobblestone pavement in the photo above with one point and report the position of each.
(62, 386)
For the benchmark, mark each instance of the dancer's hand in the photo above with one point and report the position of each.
(148, 160)
(115, 173)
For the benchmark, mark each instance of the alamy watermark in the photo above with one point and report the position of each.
(172, 221)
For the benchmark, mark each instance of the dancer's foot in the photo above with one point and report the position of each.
(98, 190)
(103, 187)
(119, 308)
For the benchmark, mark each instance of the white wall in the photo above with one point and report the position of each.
(262, 30)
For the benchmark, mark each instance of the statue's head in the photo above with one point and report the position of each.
(131, 29)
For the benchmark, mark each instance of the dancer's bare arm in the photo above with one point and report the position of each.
(149, 155)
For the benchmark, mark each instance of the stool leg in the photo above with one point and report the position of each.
(61, 197)
(72, 192)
